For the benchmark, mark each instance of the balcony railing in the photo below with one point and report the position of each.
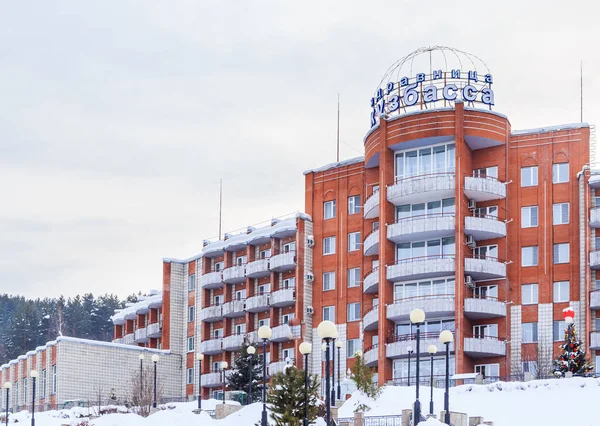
(371, 356)
(485, 227)
(211, 347)
(397, 346)
(371, 243)
(371, 281)
(371, 318)
(234, 274)
(141, 336)
(258, 303)
(436, 306)
(422, 227)
(213, 379)
(282, 298)
(278, 367)
(128, 339)
(233, 343)
(211, 313)
(595, 300)
(484, 346)
(283, 262)
(371, 206)
(212, 280)
(595, 259)
(595, 340)
(484, 188)
(154, 330)
(284, 333)
(258, 268)
(118, 340)
(595, 217)
(234, 308)
(425, 187)
(484, 307)
(421, 267)
(482, 267)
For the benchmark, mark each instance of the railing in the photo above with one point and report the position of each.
(480, 175)
(486, 216)
(484, 337)
(483, 257)
(370, 272)
(370, 233)
(368, 348)
(429, 257)
(424, 297)
(422, 176)
(413, 336)
(425, 216)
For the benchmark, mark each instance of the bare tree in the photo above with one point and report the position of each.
(537, 360)
(99, 393)
(141, 391)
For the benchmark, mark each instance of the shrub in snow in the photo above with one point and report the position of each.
(363, 377)
(286, 397)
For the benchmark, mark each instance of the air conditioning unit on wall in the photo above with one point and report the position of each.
(310, 310)
(310, 240)
(310, 277)
(470, 241)
(469, 282)
(472, 205)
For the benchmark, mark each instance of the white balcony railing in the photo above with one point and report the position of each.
(282, 298)
(259, 303)
(371, 319)
(212, 280)
(128, 339)
(211, 313)
(140, 335)
(234, 309)
(371, 243)
(233, 343)
(211, 347)
(436, 306)
(423, 227)
(484, 188)
(234, 274)
(595, 259)
(485, 227)
(153, 330)
(435, 186)
(371, 206)
(480, 308)
(258, 268)
(485, 267)
(421, 267)
(484, 347)
(371, 282)
(210, 380)
(283, 262)
(595, 300)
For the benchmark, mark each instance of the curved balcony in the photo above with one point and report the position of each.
(371, 243)
(484, 347)
(258, 268)
(397, 346)
(486, 188)
(595, 259)
(258, 303)
(211, 313)
(233, 343)
(140, 335)
(118, 340)
(212, 380)
(211, 347)
(278, 367)
(234, 309)
(371, 356)
(371, 206)
(484, 308)
(370, 320)
(234, 274)
(421, 267)
(595, 217)
(154, 330)
(595, 300)
(422, 188)
(284, 333)
(128, 339)
(595, 340)
(485, 227)
(282, 298)
(283, 262)
(484, 267)
(211, 280)
(371, 282)
(435, 306)
(422, 227)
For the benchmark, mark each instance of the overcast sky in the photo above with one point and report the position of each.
(117, 118)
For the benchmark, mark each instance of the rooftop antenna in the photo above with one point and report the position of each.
(338, 130)
(220, 205)
(581, 88)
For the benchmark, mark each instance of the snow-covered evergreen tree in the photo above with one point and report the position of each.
(287, 395)
(239, 378)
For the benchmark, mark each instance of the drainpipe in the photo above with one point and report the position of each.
(584, 242)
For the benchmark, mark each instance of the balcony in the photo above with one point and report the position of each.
(422, 227)
(278, 367)
(258, 268)
(118, 340)
(371, 206)
(234, 309)
(285, 333)
(422, 188)
(212, 380)
(371, 282)
(370, 320)
(140, 335)
(435, 306)
(595, 259)
(595, 340)
(233, 343)
(484, 347)
(282, 298)
(154, 330)
(484, 188)
(397, 346)
(234, 274)
(484, 267)
(211, 347)
(211, 280)
(483, 308)
(485, 227)
(258, 303)
(283, 262)
(128, 339)
(595, 300)
(421, 267)
(371, 243)
(211, 313)
(595, 217)
(371, 356)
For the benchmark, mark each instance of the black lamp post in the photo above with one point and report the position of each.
(251, 351)
(432, 351)
(200, 357)
(33, 374)
(224, 366)
(327, 331)
(446, 338)
(417, 317)
(338, 345)
(332, 399)
(410, 351)
(155, 359)
(7, 386)
(305, 349)
(264, 333)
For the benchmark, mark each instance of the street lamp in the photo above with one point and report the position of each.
(251, 350)
(327, 331)
(432, 349)
(446, 338)
(155, 359)
(338, 345)
(33, 374)
(141, 358)
(7, 386)
(224, 366)
(417, 317)
(332, 399)
(200, 357)
(305, 349)
(264, 333)
(409, 349)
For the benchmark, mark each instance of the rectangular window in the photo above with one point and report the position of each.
(486, 172)
(54, 379)
(288, 354)
(289, 283)
(287, 318)
(560, 173)
(529, 176)
(483, 252)
(219, 266)
(488, 370)
(437, 159)
(328, 245)
(190, 344)
(217, 333)
(191, 313)
(529, 217)
(486, 211)
(529, 256)
(353, 311)
(561, 253)
(352, 346)
(329, 313)
(240, 294)
(483, 331)
(558, 330)
(264, 254)
(353, 241)
(353, 277)
(328, 281)
(354, 204)
(484, 292)
(266, 321)
(218, 300)
(529, 332)
(329, 209)
(240, 329)
(529, 294)
(44, 383)
(264, 289)
(289, 247)
(560, 292)
(190, 376)
(241, 260)
(560, 213)
(192, 282)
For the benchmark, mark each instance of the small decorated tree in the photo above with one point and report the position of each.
(362, 376)
(239, 378)
(286, 397)
(573, 357)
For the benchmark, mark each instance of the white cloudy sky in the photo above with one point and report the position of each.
(117, 118)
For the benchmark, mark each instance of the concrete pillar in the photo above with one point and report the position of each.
(359, 418)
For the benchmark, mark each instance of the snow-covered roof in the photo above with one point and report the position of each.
(13, 362)
(337, 164)
(153, 301)
(22, 358)
(111, 345)
(30, 353)
(549, 129)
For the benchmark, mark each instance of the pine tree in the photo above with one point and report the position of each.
(573, 356)
(239, 378)
(363, 377)
(286, 397)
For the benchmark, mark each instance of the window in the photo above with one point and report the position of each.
(329, 313)
(287, 318)
(289, 283)
(190, 376)
(240, 294)
(529, 332)
(560, 292)
(488, 370)
(529, 217)
(354, 204)
(219, 266)
(353, 277)
(218, 300)
(443, 247)
(375, 189)
(486, 251)
(561, 253)
(289, 247)
(264, 289)
(191, 312)
(44, 383)
(436, 159)
(216, 366)
(266, 321)
(486, 211)
(440, 286)
(353, 311)
(529, 294)
(329, 245)
(353, 241)
(192, 282)
(445, 206)
(264, 254)
(329, 209)
(54, 379)
(484, 292)
(529, 256)
(560, 213)
(558, 330)
(217, 333)
(486, 172)
(241, 260)
(529, 176)
(529, 367)
(560, 173)
(483, 331)
(240, 329)
(328, 281)
(288, 354)
(190, 344)
(352, 346)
